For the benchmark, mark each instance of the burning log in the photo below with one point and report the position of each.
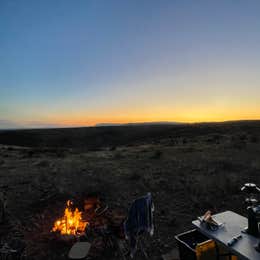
(71, 223)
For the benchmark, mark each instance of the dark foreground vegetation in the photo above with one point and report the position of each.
(187, 168)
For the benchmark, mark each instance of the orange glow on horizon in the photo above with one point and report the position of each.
(83, 120)
(194, 113)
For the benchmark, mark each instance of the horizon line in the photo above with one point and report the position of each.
(114, 124)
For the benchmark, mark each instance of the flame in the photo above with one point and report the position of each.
(71, 223)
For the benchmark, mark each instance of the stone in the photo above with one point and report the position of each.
(79, 250)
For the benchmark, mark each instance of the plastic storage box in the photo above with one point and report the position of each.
(195, 246)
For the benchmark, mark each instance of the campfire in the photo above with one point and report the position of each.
(71, 223)
(89, 220)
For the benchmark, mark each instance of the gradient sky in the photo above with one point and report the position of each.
(73, 63)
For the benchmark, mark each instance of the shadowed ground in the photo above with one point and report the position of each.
(188, 169)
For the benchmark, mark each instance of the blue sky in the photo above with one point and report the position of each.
(84, 62)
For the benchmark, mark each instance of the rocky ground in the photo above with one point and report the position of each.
(187, 174)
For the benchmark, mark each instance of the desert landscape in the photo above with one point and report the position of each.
(188, 169)
(121, 122)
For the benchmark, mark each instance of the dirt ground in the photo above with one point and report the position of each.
(187, 174)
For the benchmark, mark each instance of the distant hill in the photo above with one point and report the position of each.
(139, 124)
(93, 138)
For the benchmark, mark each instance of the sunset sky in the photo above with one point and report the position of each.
(77, 63)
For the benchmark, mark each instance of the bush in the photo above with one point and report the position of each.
(134, 177)
(254, 139)
(112, 148)
(157, 154)
(118, 155)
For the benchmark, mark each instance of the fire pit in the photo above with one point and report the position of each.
(93, 222)
(45, 236)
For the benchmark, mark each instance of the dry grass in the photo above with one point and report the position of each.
(186, 176)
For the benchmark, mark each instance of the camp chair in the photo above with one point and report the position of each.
(139, 223)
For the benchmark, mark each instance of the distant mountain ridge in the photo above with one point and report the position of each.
(95, 138)
(141, 123)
